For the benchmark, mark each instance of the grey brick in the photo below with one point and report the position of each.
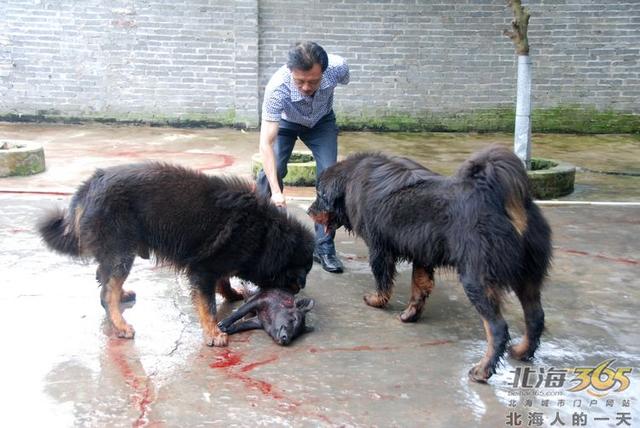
(210, 56)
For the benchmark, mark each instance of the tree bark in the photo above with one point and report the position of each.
(519, 26)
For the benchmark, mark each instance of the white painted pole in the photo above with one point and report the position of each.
(522, 137)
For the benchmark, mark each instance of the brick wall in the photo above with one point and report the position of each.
(209, 60)
(129, 59)
(444, 55)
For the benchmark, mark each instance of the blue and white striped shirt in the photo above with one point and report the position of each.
(282, 100)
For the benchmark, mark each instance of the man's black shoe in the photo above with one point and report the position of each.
(329, 262)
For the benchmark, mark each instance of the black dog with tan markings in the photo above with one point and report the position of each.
(482, 221)
(208, 227)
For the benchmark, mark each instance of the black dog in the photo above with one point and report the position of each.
(481, 221)
(209, 227)
(277, 312)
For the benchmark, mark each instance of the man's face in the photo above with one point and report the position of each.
(308, 81)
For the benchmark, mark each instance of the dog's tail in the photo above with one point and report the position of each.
(60, 229)
(502, 176)
(58, 233)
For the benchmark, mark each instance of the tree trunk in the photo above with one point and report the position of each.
(518, 34)
(522, 137)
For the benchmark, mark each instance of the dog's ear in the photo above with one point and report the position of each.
(333, 191)
(305, 304)
(332, 186)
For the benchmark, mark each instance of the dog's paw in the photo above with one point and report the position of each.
(220, 339)
(126, 332)
(376, 300)
(410, 314)
(479, 373)
(521, 352)
(128, 296)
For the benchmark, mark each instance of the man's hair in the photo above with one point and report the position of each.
(305, 54)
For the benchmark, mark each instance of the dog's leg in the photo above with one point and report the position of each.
(529, 297)
(497, 338)
(421, 286)
(250, 306)
(487, 303)
(103, 279)
(111, 276)
(204, 298)
(113, 297)
(206, 305)
(383, 267)
(223, 287)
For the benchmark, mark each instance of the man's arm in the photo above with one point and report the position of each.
(344, 74)
(268, 134)
(339, 68)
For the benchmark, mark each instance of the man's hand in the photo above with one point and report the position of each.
(268, 133)
(279, 200)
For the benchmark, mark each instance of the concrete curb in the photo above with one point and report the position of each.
(551, 178)
(301, 169)
(20, 158)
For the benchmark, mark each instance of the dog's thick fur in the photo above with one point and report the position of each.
(208, 227)
(482, 221)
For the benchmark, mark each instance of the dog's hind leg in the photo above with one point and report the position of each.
(112, 277)
(204, 299)
(224, 288)
(383, 267)
(421, 286)
(529, 297)
(102, 278)
(487, 302)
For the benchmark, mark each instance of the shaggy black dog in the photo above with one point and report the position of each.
(209, 227)
(482, 221)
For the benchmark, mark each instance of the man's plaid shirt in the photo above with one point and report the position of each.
(282, 100)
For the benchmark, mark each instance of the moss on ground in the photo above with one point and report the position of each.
(561, 119)
(564, 119)
(227, 119)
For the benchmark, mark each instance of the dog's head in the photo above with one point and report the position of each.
(294, 279)
(329, 207)
(289, 322)
(290, 255)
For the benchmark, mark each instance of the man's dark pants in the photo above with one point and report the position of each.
(322, 140)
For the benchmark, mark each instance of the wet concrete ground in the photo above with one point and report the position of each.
(61, 366)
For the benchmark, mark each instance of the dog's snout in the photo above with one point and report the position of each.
(294, 287)
(283, 336)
